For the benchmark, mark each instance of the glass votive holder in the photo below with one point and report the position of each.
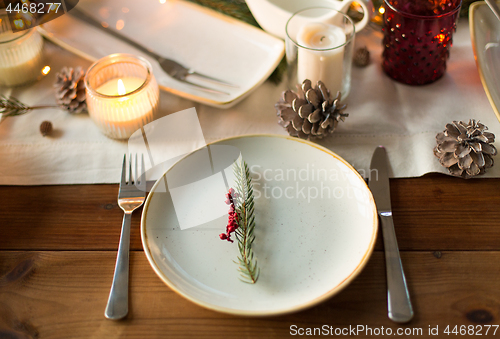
(417, 38)
(319, 47)
(122, 94)
(21, 57)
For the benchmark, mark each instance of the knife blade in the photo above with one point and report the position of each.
(399, 305)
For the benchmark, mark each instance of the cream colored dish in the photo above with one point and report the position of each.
(309, 246)
(202, 39)
(485, 36)
(272, 15)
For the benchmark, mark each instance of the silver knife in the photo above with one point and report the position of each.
(398, 298)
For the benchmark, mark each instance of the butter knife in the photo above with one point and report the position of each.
(398, 298)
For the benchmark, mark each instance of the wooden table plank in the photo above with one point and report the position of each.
(59, 294)
(68, 217)
(438, 212)
(430, 213)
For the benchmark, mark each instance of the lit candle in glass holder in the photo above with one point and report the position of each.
(322, 55)
(319, 47)
(20, 54)
(122, 94)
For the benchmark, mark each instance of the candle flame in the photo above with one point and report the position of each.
(46, 70)
(121, 87)
(381, 10)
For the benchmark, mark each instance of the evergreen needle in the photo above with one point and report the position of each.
(10, 107)
(246, 224)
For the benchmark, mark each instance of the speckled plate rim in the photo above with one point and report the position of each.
(333, 291)
(479, 62)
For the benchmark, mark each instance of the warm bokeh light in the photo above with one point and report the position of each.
(104, 24)
(440, 37)
(125, 10)
(46, 70)
(19, 23)
(162, 1)
(120, 24)
(381, 10)
(104, 12)
(121, 87)
(355, 6)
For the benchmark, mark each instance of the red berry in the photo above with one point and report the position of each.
(232, 223)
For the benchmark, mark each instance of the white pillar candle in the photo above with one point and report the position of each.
(122, 94)
(20, 57)
(321, 54)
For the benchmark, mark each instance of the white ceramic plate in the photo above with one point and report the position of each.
(308, 246)
(209, 42)
(485, 36)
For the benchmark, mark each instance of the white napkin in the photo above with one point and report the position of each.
(403, 118)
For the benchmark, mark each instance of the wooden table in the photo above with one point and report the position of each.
(58, 248)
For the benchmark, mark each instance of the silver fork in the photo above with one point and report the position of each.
(130, 197)
(171, 67)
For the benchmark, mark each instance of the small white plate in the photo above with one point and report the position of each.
(316, 225)
(485, 36)
(209, 42)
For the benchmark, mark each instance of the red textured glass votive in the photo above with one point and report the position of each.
(417, 38)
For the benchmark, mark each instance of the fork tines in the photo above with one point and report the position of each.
(139, 179)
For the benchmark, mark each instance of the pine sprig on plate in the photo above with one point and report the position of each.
(246, 224)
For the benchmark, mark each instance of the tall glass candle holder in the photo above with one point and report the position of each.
(21, 57)
(319, 47)
(122, 94)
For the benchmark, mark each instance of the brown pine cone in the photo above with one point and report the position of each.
(312, 113)
(70, 89)
(466, 149)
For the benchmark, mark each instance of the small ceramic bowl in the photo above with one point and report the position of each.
(272, 15)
